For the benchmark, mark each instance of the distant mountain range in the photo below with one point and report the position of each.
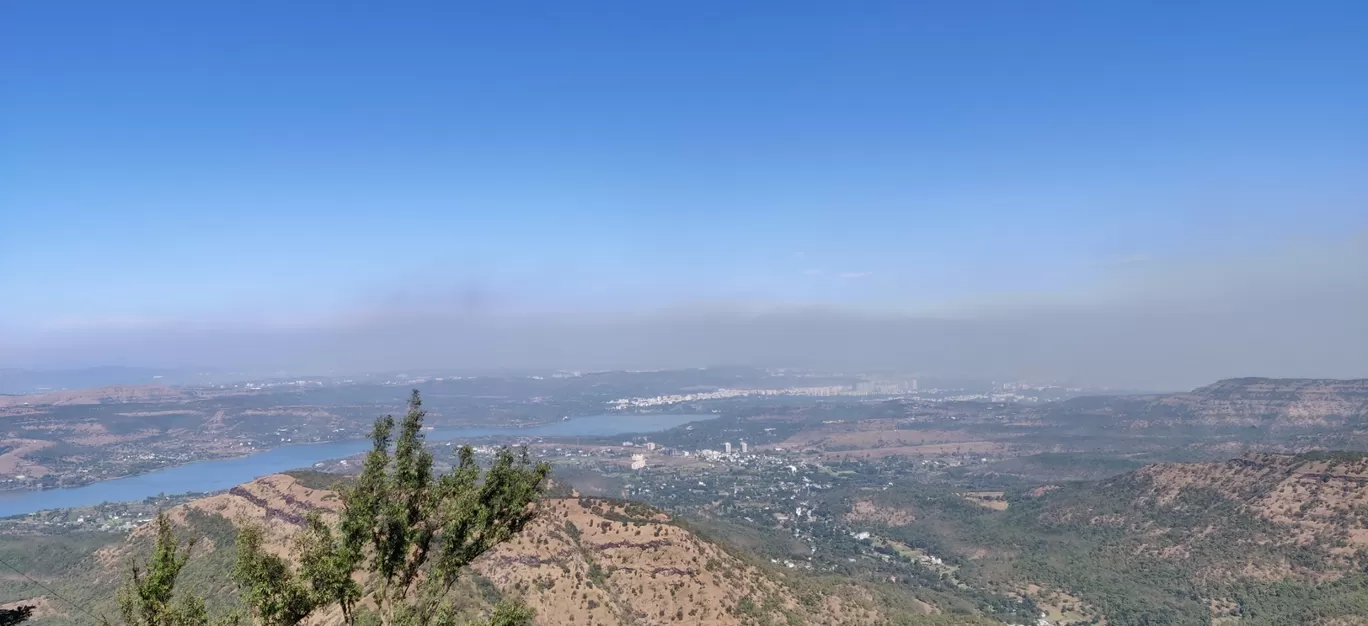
(1236, 402)
(15, 381)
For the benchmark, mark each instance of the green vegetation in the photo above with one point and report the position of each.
(405, 531)
(50, 556)
(896, 531)
(266, 584)
(149, 598)
(1126, 557)
(1291, 604)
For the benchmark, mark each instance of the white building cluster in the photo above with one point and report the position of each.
(858, 389)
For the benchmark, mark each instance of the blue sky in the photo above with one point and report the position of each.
(290, 160)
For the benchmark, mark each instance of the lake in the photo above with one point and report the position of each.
(226, 473)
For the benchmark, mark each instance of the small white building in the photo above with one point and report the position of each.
(638, 461)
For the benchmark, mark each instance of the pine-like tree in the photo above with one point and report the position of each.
(413, 531)
(149, 598)
(409, 532)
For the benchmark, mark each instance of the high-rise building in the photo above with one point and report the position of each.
(726, 447)
(744, 447)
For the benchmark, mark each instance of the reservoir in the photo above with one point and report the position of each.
(226, 473)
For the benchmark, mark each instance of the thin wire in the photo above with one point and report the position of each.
(98, 619)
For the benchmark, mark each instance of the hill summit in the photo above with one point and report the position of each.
(582, 561)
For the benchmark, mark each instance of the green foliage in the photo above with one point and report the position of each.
(414, 532)
(408, 532)
(1288, 603)
(149, 596)
(507, 613)
(328, 567)
(572, 531)
(1103, 542)
(51, 556)
(270, 589)
(939, 620)
(596, 574)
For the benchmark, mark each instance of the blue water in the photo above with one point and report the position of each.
(223, 474)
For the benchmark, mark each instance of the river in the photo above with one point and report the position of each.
(225, 473)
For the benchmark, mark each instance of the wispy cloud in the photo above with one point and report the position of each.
(856, 275)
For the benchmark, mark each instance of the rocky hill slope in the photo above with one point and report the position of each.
(1266, 538)
(1259, 540)
(1261, 516)
(584, 561)
(1294, 402)
(1237, 402)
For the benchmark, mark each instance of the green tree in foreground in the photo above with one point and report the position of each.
(266, 584)
(148, 597)
(403, 531)
(412, 531)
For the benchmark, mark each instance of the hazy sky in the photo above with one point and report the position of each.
(1158, 192)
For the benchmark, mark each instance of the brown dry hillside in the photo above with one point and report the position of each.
(1238, 402)
(610, 562)
(1298, 402)
(1312, 497)
(1260, 516)
(584, 561)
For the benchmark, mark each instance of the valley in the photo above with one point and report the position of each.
(1213, 506)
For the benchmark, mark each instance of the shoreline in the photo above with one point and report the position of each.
(224, 471)
(6, 490)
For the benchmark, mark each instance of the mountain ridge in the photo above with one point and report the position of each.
(1273, 403)
(582, 561)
